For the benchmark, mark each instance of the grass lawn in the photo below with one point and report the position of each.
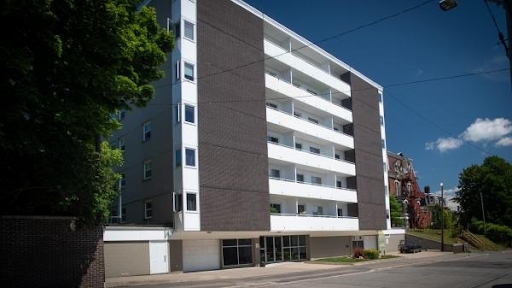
(347, 260)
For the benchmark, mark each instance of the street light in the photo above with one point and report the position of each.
(446, 5)
(483, 213)
(442, 217)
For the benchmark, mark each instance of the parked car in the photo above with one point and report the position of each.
(408, 247)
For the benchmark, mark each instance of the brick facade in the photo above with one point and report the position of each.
(45, 252)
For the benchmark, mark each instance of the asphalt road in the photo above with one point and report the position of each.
(477, 270)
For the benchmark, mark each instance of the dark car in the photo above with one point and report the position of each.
(408, 247)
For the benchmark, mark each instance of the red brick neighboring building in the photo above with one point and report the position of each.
(403, 184)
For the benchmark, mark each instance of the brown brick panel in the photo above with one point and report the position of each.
(232, 126)
(368, 155)
(45, 252)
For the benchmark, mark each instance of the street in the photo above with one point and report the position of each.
(449, 270)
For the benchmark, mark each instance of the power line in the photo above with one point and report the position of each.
(310, 44)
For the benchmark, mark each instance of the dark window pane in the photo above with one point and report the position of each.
(302, 252)
(245, 255)
(191, 202)
(295, 253)
(286, 241)
(230, 256)
(302, 240)
(229, 242)
(190, 159)
(295, 241)
(189, 114)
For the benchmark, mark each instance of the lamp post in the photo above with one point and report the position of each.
(442, 217)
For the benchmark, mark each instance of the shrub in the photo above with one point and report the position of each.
(358, 252)
(371, 254)
(496, 233)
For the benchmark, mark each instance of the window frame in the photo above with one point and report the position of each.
(314, 150)
(188, 106)
(185, 22)
(146, 170)
(195, 206)
(121, 143)
(148, 209)
(146, 131)
(187, 76)
(187, 157)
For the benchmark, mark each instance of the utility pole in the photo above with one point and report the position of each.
(442, 217)
(483, 213)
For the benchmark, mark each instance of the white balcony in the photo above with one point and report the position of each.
(301, 125)
(300, 64)
(292, 223)
(285, 88)
(288, 154)
(305, 190)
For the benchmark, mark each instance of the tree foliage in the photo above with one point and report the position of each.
(395, 211)
(65, 66)
(492, 180)
(438, 221)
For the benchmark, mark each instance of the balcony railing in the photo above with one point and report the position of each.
(307, 90)
(302, 119)
(311, 183)
(312, 153)
(312, 215)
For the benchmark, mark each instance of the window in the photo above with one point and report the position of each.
(316, 180)
(177, 158)
(298, 146)
(300, 178)
(297, 114)
(122, 181)
(383, 143)
(191, 202)
(301, 209)
(271, 105)
(190, 157)
(275, 208)
(189, 30)
(146, 131)
(237, 252)
(177, 113)
(314, 150)
(178, 70)
(147, 169)
(319, 210)
(148, 210)
(272, 139)
(178, 202)
(381, 120)
(189, 71)
(340, 212)
(190, 113)
(121, 114)
(274, 173)
(397, 189)
(380, 98)
(338, 184)
(121, 144)
(337, 156)
(312, 120)
(123, 214)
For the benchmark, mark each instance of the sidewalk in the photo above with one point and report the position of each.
(268, 270)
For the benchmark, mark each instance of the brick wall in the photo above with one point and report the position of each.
(40, 252)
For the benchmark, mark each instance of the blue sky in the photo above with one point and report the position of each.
(443, 125)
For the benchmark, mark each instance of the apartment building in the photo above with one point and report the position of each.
(258, 147)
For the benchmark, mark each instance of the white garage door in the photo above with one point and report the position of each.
(158, 257)
(199, 255)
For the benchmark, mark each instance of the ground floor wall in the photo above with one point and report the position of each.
(321, 247)
(200, 251)
(120, 256)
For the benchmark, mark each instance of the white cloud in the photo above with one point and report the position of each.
(487, 129)
(444, 144)
(507, 141)
(482, 130)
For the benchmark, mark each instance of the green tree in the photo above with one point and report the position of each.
(490, 183)
(437, 218)
(395, 212)
(65, 66)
